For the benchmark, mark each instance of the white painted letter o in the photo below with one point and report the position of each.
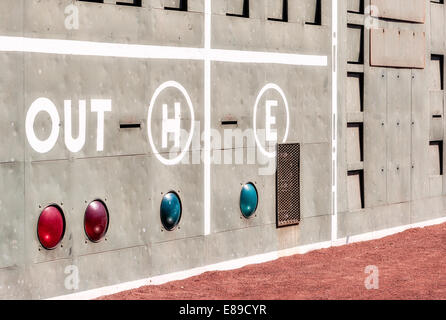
(42, 105)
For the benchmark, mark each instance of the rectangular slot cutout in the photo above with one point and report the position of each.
(244, 13)
(355, 44)
(355, 6)
(437, 72)
(355, 153)
(131, 3)
(314, 14)
(436, 158)
(355, 190)
(284, 15)
(355, 92)
(182, 6)
(130, 125)
(229, 122)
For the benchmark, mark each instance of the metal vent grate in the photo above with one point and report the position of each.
(288, 184)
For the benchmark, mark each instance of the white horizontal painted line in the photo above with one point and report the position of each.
(101, 49)
(267, 57)
(239, 263)
(121, 50)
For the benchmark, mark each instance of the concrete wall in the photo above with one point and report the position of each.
(388, 172)
(127, 175)
(400, 111)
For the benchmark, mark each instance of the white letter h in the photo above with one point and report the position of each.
(171, 125)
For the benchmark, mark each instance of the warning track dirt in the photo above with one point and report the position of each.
(408, 265)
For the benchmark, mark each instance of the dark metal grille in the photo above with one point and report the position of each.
(288, 184)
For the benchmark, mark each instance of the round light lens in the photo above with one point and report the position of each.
(170, 211)
(96, 220)
(51, 227)
(249, 200)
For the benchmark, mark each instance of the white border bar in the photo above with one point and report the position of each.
(207, 118)
(121, 50)
(334, 141)
(239, 263)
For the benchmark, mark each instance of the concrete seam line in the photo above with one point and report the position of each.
(241, 262)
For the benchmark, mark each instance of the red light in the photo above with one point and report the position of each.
(51, 227)
(96, 220)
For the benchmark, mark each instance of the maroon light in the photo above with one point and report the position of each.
(50, 227)
(96, 220)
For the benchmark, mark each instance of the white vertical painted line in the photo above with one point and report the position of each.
(334, 98)
(207, 116)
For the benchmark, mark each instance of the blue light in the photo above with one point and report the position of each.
(249, 200)
(170, 211)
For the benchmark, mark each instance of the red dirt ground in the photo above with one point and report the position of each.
(412, 265)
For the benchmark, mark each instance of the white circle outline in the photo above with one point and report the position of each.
(162, 87)
(259, 96)
(42, 105)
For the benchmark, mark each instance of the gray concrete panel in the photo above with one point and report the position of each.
(375, 138)
(398, 135)
(11, 108)
(12, 215)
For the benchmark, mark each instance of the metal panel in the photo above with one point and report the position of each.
(315, 179)
(288, 184)
(397, 48)
(437, 27)
(355, 89)
(11, 107)
(405, 10)
(398, 135)
(375, 154)
(420, 133)
(11, 215)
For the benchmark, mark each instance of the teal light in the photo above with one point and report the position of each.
(249, 200)
(170, 211)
